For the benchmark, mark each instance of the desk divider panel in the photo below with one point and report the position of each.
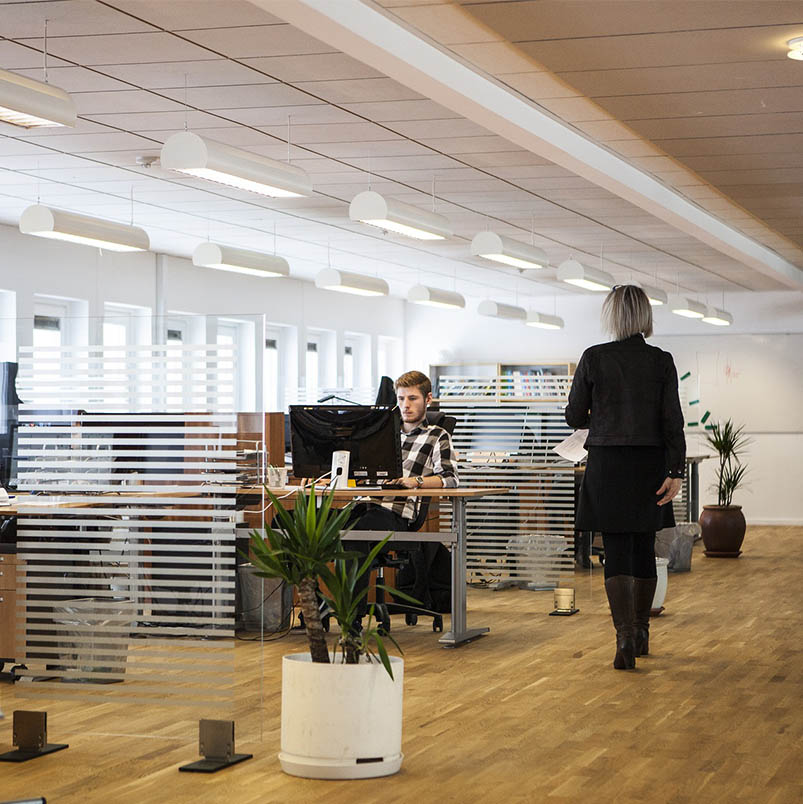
(126, 552)
(506, 429)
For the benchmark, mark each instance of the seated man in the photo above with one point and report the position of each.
(427, 463)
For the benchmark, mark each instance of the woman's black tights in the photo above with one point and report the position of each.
(630, 554)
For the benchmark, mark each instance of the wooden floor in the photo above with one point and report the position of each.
(532, 712)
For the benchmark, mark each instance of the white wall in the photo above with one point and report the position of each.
(752, 372)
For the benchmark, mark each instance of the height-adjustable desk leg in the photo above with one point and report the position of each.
(459, 633)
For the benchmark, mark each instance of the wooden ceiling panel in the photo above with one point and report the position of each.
(633, 108)
(556, 19)
(180, 15)
(335, 66)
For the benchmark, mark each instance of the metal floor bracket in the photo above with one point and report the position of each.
(30, 737)
(216, 746)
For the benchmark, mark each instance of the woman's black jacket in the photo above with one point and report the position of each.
(626, 394)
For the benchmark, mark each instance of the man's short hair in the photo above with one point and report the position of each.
(417, 379)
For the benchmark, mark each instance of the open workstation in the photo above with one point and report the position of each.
(293, 294)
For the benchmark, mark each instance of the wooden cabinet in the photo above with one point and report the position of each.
(8, 604)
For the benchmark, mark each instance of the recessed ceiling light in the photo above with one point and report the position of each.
(33, 104)
(581, 276)
(346, 282)
(395, 216)
(508, 312)
(56, 224)
(435, 297)
(795, 48)
(239, 261)
(198, 156)
(491, 246)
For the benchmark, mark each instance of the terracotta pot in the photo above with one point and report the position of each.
(723, 528)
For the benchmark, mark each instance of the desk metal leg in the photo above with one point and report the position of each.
(459, 633)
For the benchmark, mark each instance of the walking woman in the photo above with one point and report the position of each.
(626, 393)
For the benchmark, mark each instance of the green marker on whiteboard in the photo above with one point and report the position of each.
(687, 374)
(705, 416)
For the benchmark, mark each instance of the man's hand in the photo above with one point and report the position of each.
(669, 488)
(406, 482)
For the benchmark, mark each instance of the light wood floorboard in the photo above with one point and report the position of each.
(532, 712)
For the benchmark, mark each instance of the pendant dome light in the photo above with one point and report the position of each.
(34, 104)
(508, 312)
(581, 276)
(395, 216)
(56, 224)
(239, 261)
(435, 297)
(717, 317)
(497, 248)
(685, 307)
(543, 321)
(346, 282)
(198, 156)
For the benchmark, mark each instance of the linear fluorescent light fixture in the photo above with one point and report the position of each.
(688, 308)
(346, 282)
(581, 276)
(194, 155)
(543, 321)
(34, 104)
(435, 297)
(239, 261)
(491, 246)
(395, 216)
(656, 296)
(717, 317)
(508, 312)
(56, 224)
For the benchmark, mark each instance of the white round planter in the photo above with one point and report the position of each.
(340, 721)
(661, 565)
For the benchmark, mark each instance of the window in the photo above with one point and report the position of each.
(312, 368)
(270, 375)
(47, 330)
(348, 366)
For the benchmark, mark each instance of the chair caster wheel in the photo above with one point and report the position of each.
(411, 619)
(437, 623)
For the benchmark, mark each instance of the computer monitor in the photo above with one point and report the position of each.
(370, 433)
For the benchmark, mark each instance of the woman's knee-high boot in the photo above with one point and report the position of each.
(643, 594)
(619, 589)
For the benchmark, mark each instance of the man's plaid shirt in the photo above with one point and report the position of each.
(426, 450)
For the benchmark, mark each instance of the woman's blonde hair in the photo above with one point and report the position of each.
(627, 312)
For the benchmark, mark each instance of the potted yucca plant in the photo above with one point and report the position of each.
(341, 709)
(723, 525)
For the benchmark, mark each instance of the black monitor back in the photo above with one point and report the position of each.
(370, 433)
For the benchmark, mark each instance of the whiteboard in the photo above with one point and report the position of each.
(756, 380)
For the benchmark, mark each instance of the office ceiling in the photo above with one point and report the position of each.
(126, 63)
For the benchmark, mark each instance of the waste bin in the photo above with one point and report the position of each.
(259, 598)
(96, 638)
(675, 544)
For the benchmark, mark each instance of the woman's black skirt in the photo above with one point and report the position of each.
(617, 493)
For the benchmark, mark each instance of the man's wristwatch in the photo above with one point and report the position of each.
(420, 481)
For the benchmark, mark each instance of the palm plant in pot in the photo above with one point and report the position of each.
(341, 709)
(723, 525)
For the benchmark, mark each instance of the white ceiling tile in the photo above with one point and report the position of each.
(210, 70)
(177, 15)
(335, 66)
(74, 79)
(239, 96)
(125, 49)
(125, 100)
(364, 89)
(258, 41)
(404, 110)
(18, 57)
(67, 18)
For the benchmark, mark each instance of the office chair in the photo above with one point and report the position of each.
(381, 608)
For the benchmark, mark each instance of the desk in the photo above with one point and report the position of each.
(459, 632)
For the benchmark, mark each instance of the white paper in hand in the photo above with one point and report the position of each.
(572, 448)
